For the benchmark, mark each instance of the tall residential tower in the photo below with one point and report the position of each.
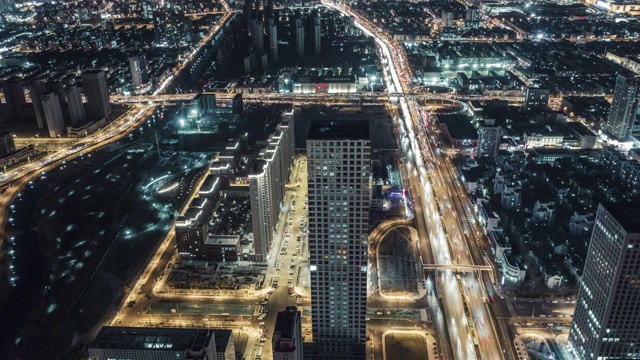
(624, 107)
(339, 169)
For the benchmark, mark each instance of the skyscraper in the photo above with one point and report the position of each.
(299, 36)
(14, 96)
(160, 27)
(317, 36)
(272, 33)
(78, 116)
(138, 64)
(7, 145)
(53, 115)
(257, 35)
(488, 140)
(624, 107)
(36, 91)
(266, 185)
(339, 169)
(536, 99)
(287, 335)
(94, 86)
(606, 321)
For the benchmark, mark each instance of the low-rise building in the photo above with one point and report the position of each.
(510, 266)
(487, 217)
(222, 248)
(543, 213)
(510, 197)
(143, 343)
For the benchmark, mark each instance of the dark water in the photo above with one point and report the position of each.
(29, 266)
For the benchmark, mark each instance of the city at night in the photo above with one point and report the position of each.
(320, 180)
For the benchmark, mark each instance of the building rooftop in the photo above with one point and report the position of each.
(284, 328)
(155, 339)
(626, 214)
(222, 240)
(459, 126)
(336, 130)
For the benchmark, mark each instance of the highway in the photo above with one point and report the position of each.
(470, 328)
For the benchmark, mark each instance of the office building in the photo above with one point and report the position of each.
(143, 343)
(53, 115)
(299, 36)
(624, 107)
(138, 64)
(535, 99)
(266, 185)
(94, 86)
(606, 320)
(14, 96)
(339, 170)
(287, 335)
(37, 91)
(489, 140)
(317, 36)
(7, 146)
(78, 116)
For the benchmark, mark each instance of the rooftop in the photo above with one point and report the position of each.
(284, 328)
(343, 129)
(158, 339)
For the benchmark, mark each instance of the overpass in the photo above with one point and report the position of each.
(364, 97)
(458, 268)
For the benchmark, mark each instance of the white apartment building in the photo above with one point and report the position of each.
(266, 185)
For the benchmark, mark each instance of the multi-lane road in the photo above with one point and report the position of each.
(470, 327)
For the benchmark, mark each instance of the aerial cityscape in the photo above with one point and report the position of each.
(320, 179)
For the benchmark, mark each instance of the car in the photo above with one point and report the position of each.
(262, 323)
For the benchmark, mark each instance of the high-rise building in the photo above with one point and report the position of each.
(536, 99)
(287, 335)
(78, 116)
(37, 91)
(489, 140)
(94, 86)
(142, 343)
(14, 96)
(192, 230)
(56, 87)
(53, 115)
(606, 320)
(317, 35)
(160, 27)
(339, 170)
(473, 17)
(7, 145)
(447, 19)
(257, 35)
(624, 107)
(299, 36)
(272, 33)
(267, 183)
(138, 64)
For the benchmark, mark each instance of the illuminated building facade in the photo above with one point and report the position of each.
(606, 321)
